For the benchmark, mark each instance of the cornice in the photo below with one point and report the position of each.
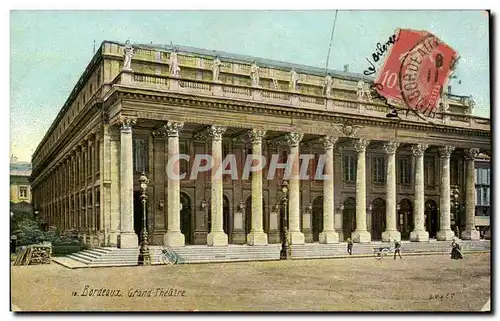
(276, 110)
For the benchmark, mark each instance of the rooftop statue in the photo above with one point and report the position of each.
(173, 64)
(328, 85)
(216, 68)
(294, 79)
(128, 52)
(254, 74)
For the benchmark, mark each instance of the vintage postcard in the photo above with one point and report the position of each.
(307, 160)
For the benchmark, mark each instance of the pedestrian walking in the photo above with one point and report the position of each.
(397, 249)
(349, 246)
(456, 254)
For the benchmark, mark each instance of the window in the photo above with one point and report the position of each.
(140, 154)
(23, 192)
(183, 164)
(483, 187)
(429, 171)
(379, 175)
(250, 152)
(283, 158)
(349, 166)
(454, 172)
(404, 171)
(314, 166)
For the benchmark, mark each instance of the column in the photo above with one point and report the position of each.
(128, 238)
(419, 234)
(328, 235)
(257, 235)
(173, 237)
(361, 235)
(391, 233)
(470, 232)
(295, 236)
(216, 237)
(445, 233)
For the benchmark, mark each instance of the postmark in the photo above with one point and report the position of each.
(416, 70)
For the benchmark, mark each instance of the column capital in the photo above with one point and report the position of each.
(419, 149)
(445, 151)
(361, 144)
(216, 132)
(391, 147)
(172, 128)
(159, 133)
(126, 124)
(274, 144)
(328, 141)
(471, 153)
(256, 135)
(293, 139)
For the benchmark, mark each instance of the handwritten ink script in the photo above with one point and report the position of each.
(441, 296)
(131, 292)
(378, 54)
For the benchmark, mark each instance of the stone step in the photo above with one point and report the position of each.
(84, 256)
(79, 259)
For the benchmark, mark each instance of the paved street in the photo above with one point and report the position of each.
(419, 283)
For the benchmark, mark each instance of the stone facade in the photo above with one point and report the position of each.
(391, 179)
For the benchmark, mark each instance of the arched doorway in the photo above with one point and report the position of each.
(405, 218)
(317, 217)
(431, 218)
(378, 218)
(226, 215)
(349, 217)
(186, 228)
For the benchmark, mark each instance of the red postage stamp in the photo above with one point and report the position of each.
(416, 70)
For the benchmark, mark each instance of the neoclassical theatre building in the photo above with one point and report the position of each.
(135, 106)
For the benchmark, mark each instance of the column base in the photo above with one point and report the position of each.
(112, 239)
(361, 237)
(128, 240)
(470, 235)
(274, 237)
(296, 237)
(419, 236)
(328, 237)
(217, 239)
(257, 238)
(390, 236)
(174, 239)
(445, 235)
(239, 237)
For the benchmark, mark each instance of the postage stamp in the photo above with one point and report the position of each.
(416, 70)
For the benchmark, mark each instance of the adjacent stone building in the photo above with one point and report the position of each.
(20, 191)
(134, 107)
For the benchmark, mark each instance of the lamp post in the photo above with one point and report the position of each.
(144, 256)
(455, 204)
(285, 249)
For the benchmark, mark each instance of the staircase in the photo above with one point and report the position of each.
(317, 251)
(109, 256)
(230, 253)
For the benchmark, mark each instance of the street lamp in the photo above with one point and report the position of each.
(144, 256)
(455, 204)
(285, 249)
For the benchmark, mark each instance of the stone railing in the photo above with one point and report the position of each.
(288, 98)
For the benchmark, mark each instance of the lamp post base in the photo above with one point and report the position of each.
(144, 259)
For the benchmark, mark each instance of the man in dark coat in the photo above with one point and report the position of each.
(349, 246)
(397, 249)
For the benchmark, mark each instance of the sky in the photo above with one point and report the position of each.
(49, 50)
